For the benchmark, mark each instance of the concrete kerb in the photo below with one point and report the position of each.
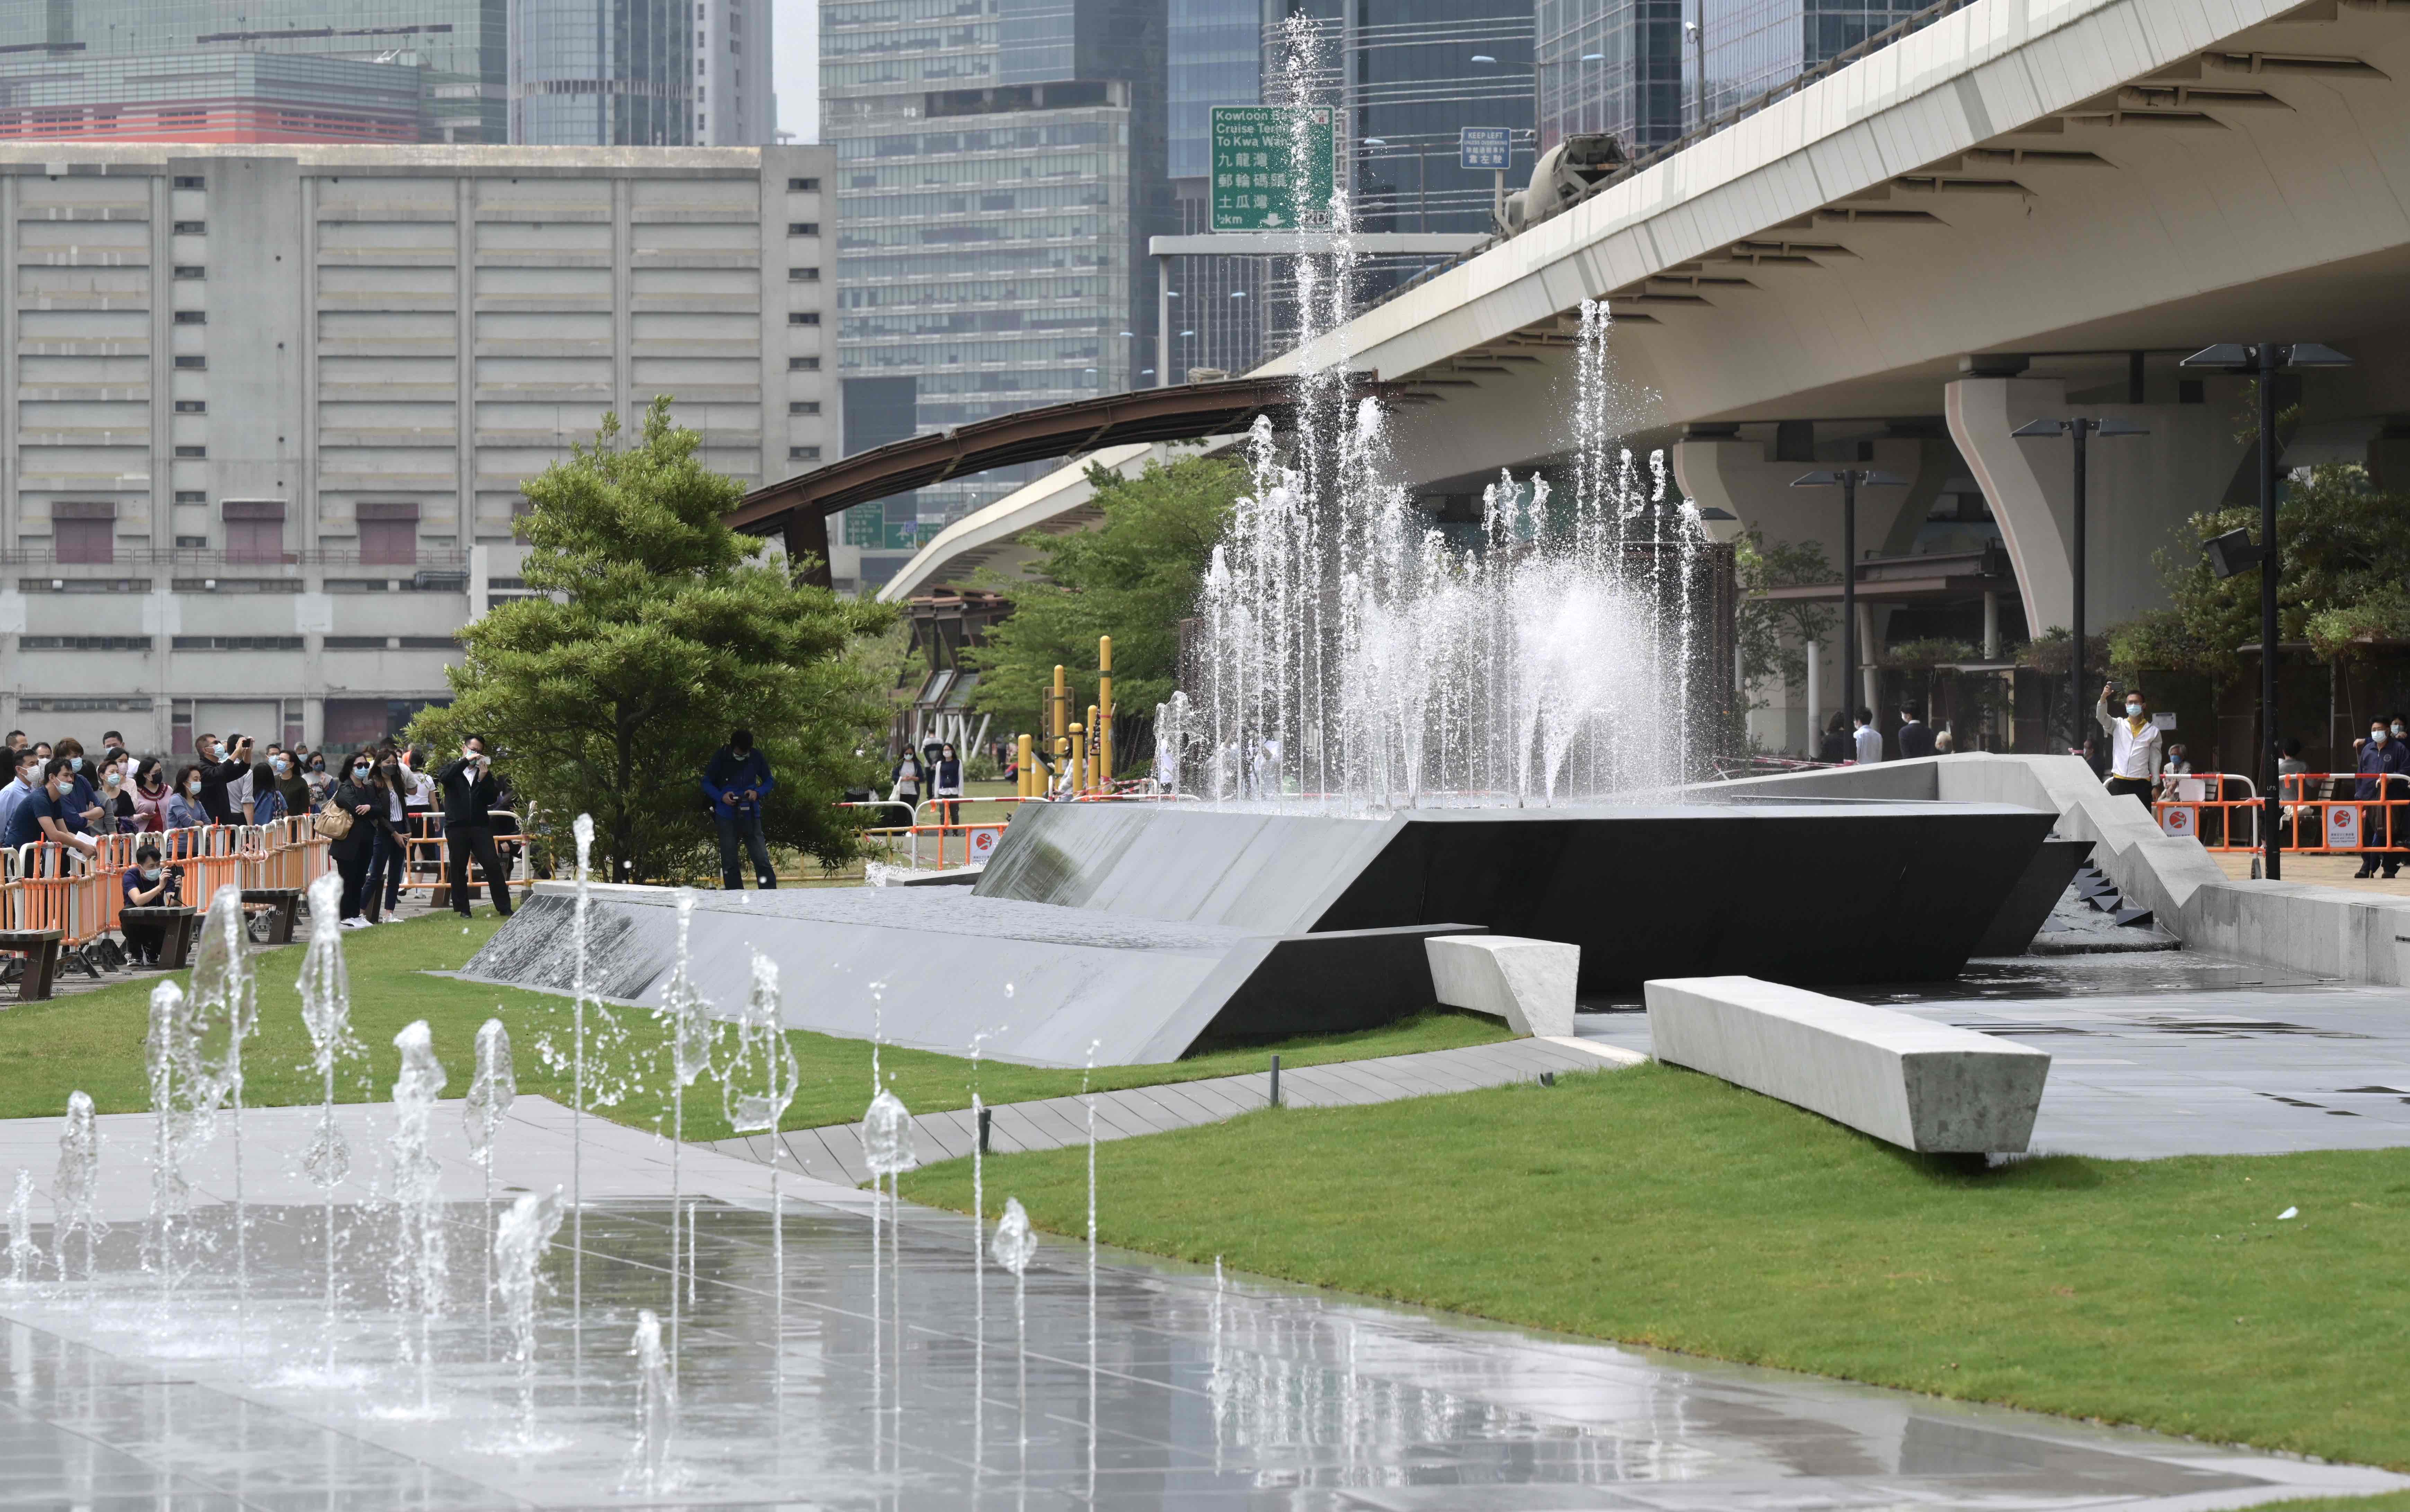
(2323, 931)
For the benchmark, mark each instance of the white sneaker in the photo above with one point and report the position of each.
(356, 922)
(390, 919)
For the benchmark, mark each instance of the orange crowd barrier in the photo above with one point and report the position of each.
(2320, 813)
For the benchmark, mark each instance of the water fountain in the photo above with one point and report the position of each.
(325, 992)
(179, 1113)
(221, 1014)
(756, 1087)
(1014, 1247)
(520, 1242)
(23, 1254)
(692, 1034)
(73, 1189)
(421, 1255)
(656, 1405)
(492, 1089)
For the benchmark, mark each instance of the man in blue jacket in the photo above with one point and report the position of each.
(734, 782)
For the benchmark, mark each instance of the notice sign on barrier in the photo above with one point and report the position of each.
(2179, 821)
(982, 843)
(2343, 827)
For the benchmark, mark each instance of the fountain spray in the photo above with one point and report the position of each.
(179, 1119)
(583, 830)
(22, 1252)
(491, 1092)
(755, 1088)
(76, 1185)
(656, 1403)
(520, 1240)
(325, 989)
(226, 1003)
(886, 1150)
(419, 1256)
(1014, 1247)
(685, 1019)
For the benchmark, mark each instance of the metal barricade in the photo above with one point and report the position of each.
(2321, 813)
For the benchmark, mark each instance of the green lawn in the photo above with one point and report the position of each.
(94, 1040)
(1662, 1207)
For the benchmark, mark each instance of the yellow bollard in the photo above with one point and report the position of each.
(1025, 765)
(1061, 710)
(1079, 759)
(1103, 711)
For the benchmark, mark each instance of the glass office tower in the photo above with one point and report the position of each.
(603, 73)
(1001, 165)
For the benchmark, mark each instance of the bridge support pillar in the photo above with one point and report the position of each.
(1734, 468)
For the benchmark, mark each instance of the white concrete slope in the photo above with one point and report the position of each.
(2042, 175)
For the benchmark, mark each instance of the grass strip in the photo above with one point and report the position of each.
(1665, 1208)
(93, 1042)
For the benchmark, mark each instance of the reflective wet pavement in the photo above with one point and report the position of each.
(1168, 1390)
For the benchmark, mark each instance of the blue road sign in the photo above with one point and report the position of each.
(1485, 147)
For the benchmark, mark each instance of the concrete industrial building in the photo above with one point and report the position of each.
(271, 408)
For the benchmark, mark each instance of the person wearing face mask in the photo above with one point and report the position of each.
(389, 814)
(151, 793)
(733, 782)
(14, 798)
(314, 773)
(469, 797)
(223, 766)
(147, 884)
(186, 808)
(116, 800)
(2133, 746)
(83, 813)
(355, 793)
(2381, 827)
(52, 804)
(284, 775)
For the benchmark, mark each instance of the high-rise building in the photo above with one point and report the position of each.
(270, 408)
(139, 57)
(1001, 165)
(1640, 68)
(641, 73)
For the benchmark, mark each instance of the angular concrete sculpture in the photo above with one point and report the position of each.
(1528, 983)
(1926, 1086)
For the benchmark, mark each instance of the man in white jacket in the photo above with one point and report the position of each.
(2133, 745)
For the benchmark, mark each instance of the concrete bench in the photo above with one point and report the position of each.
(40, 948)
(281, 904)
(1924, 1085)
(1528, 983)
(177, 925)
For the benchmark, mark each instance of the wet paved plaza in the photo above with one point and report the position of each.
(892, 1384)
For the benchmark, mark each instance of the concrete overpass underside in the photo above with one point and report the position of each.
(2024, 210)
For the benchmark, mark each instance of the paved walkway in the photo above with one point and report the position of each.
(2325, 871)
(833, 1152)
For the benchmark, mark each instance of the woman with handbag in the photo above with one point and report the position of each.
(388, 785)
(349, 823)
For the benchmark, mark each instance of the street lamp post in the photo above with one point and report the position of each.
(1849, 479)
(2081, 428)
(2262, 362)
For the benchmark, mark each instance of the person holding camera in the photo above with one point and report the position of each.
(220, 766)
(149, 885)
(469, 794)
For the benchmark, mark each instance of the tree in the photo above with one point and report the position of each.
(1775, 632)
(2346, 557)
(668, 631)
(1133, 577)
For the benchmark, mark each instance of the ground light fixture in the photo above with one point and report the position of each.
(2263, 361)
(1849, 480)
(2083, 428)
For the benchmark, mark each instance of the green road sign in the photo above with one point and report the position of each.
(1254, 177)
(866, 525)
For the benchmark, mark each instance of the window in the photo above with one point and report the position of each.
(802, 364)
(389, 534)
(190, 496)
(254, 529)
(197, 452)
(190, 271)
(192, 317)
(803, 275)
(802, 227)
(804, 406)
(83, 643)
(192, 227)
(237, 643)
(191, 543)
(427, 643)
(192, 406)
(803, 317)
(803, 454)
(193, 364)
(354, 643)
(802, 187)
(186, 181)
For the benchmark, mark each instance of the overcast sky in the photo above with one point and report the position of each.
(795, 36)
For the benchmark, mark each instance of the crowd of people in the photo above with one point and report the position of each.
(368, 804)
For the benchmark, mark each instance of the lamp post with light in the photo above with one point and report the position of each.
(2081, 428)
(2231, 557)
